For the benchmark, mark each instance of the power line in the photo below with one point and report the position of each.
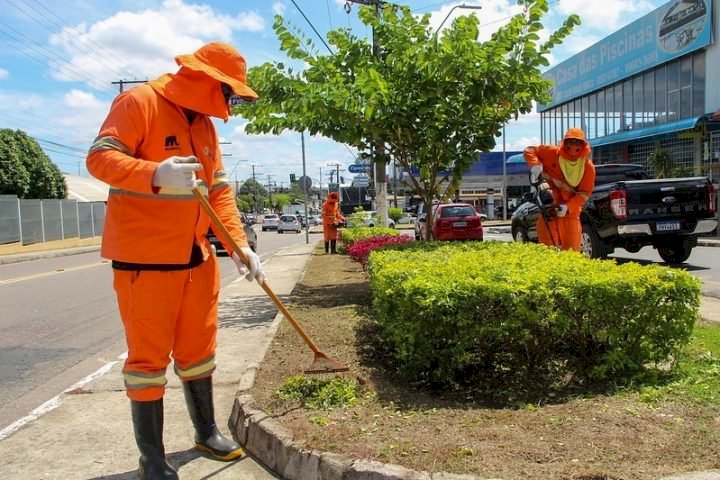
(120, 63)
(47, 56)
(312, 26)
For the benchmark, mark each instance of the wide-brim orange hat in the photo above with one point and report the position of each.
(576, 133)
(223, 63)
(332, 197)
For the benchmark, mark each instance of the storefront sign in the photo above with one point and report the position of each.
(672, 30)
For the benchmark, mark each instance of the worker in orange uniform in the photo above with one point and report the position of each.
(331, 218)
(155, 145)
(571, 176)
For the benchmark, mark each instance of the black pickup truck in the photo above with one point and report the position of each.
(628, 210)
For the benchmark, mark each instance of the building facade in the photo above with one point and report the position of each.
(650, 85)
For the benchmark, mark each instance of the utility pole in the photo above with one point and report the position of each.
(270, 185)
(305, 189)
(255, 187)
(381, 200)
(122, 83)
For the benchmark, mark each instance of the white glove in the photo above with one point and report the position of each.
(176, 172)
(561, 210)
(535, 172)
(252, 271)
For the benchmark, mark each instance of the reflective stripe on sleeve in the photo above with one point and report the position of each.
(109, 143)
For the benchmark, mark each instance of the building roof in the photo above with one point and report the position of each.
(86, 189)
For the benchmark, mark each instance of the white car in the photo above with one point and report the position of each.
(407, 218)
(270, 222)
(289, 223)
(371, 219)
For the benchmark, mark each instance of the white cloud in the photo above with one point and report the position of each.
(4, 74)
(143, 44)
(279, 8)
(606, 16)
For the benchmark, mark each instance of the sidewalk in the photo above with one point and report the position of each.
(86, 432)
(88, 435)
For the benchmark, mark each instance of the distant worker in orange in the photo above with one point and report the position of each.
(571, 177)
(155, 145)
(331, 218)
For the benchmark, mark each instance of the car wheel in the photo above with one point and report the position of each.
(590, 244)
(675, 253)
(264, 229)
(520, 234)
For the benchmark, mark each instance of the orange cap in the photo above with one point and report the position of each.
(223, 63)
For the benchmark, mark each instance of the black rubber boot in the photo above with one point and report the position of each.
(199, 399)
(327, 247)
(333, 244)
(148, 424)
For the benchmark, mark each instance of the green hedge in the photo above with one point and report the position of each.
(454, 313)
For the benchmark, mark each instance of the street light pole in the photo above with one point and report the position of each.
(467, 7)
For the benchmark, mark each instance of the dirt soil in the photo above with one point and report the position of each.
(582, 437)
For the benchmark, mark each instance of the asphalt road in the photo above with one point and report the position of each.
(59, 319)
(59, 323)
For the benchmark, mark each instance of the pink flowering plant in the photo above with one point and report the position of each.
(360, 249)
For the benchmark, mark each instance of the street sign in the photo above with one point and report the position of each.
(305, 183)
(356, 168)
(361, 181)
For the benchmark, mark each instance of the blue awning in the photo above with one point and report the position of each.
(646, 132)
(517, 158)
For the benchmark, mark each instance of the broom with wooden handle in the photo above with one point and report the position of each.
(321, 363)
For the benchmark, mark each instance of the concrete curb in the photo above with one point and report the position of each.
(274, 446)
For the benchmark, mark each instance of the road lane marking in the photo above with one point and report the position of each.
(57, 400)
(48, 274)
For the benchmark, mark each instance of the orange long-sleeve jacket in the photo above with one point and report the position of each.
(144, 224)
(574, 197)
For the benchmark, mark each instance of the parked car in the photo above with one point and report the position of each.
(270, 222)
(629, 211)
(314, 220)
(369, 219)
(452, 221)
(289, 223)
(249, 232)
(406, 218)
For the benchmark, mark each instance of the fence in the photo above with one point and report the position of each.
(36, 221)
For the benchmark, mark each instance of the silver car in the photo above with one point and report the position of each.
(270, 222)
(289, 223)
(249, 232)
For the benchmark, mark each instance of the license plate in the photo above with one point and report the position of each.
(459, 224)
(667, 226)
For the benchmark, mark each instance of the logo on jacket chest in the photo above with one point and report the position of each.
(171, 143)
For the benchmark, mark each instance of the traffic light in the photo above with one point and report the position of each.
(292, 178)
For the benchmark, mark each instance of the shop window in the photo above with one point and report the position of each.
(648, 109)
(698, 89)
(660, 95)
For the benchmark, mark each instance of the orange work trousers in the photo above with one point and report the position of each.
(562, 232)
(168, 313)
(330, 232)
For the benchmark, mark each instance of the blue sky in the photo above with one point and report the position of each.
(58, 59)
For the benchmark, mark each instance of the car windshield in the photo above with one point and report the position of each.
(288, 218)
(459, 211)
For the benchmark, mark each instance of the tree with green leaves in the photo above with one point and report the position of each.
(433, 100)
(25, 169)
(662, 163)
